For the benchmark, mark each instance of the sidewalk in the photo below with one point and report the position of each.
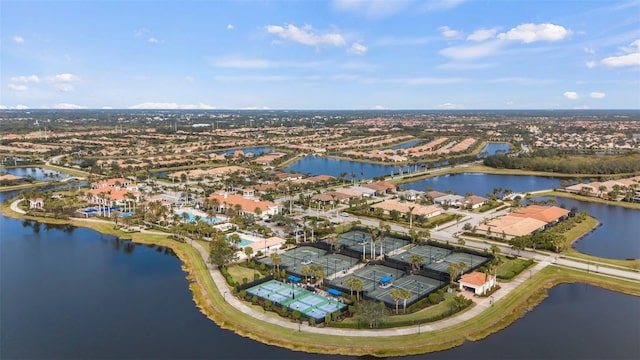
(481, 305)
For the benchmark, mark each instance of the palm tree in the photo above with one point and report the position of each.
(415, 261)
(349, 283)
(306, 271)
(411, 216)
(276, 260)
(357, 287)
(248, 250)
(396, 294)
(405, 295)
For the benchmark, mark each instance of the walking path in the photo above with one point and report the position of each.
(14, 207)
(481, 305)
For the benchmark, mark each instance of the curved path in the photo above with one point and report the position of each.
(14, 207)
(480, 306)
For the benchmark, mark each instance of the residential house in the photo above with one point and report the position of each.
(478, 282)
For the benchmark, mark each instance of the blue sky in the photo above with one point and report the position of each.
(342, 54)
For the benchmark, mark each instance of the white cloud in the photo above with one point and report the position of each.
(18, 39)
(107, 107)
(152, 40)
(63, 78)
(26, 79)
(357, 49)
(189, 79)
(449, 33)
(14, 87)
(528, 33)
(630, 59)
(171, 106)
(20, 107)
(571, 95)
(590, 64)
(450, 106)
(465, 66)
(378, 107)
(624, 60)
(372, 8)
(597, 95)
(306, 35)
(482, 34)
(464, 52)
(229, 27)
(589, 50)
(66, 106)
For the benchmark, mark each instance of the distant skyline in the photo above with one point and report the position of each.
(340, 54)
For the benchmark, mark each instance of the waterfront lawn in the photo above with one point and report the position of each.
(509, 267)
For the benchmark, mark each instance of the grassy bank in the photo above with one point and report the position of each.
(593, 199)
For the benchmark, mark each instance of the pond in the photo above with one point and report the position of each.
(326, 166)
(36, 173)
(615, 238)
(494, 148)
(482, 184)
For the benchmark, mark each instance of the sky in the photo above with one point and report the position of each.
(338, 54)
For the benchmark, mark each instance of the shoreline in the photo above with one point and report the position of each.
(210, 301)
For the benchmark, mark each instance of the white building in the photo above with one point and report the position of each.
(477, 282)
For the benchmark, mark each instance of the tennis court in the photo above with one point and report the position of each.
(355, 240)
(294, 297)
(429, 253)
(294, 259)
(370, 276)
(418, 285)
(470, 260)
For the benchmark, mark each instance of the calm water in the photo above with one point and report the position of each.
(492, 148)
(254, 150)
(334, 167)
(73, 293)
(406, 145)
(36, 173)
(616, 237)
(482, 184)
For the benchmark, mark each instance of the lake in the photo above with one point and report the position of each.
(482, 184)
(493, 148)
(36, 173)
(326, 166)
(616, 237)
(74, 293)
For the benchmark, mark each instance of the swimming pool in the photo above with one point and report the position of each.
(203, 217)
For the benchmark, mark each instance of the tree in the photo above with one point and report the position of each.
(396, 294)
(370, 312)
(415, 260)
(248, 250)
(276, 260)
(411, 216)
(357, 285)
(405, 295)
(221, 253)
(235, 239)
(455, 270)
(306, 270)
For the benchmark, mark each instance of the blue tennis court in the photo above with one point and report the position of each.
(310, 304)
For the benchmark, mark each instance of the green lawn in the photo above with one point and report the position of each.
(510, 267)
(238, 272)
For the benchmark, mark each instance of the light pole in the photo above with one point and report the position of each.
(224, 296)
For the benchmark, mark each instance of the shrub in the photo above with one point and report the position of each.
(243, 294)
(254, 299)
(295, 315)
(434, 298)
(312, 322)
(245, 280)
(267, 305)
(256, 276)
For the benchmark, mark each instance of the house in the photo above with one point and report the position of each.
(477, 282)
(511, 226)
(473, 201)
(284, 176)
(114, 183)
(37, 203)
(549, 214)
(411, 195)
(267, 246)
(366, 192)
(449, 200)
(380, 187)
(403, 208)
(247, 206)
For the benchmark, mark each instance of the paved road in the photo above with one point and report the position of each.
(14, 207)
